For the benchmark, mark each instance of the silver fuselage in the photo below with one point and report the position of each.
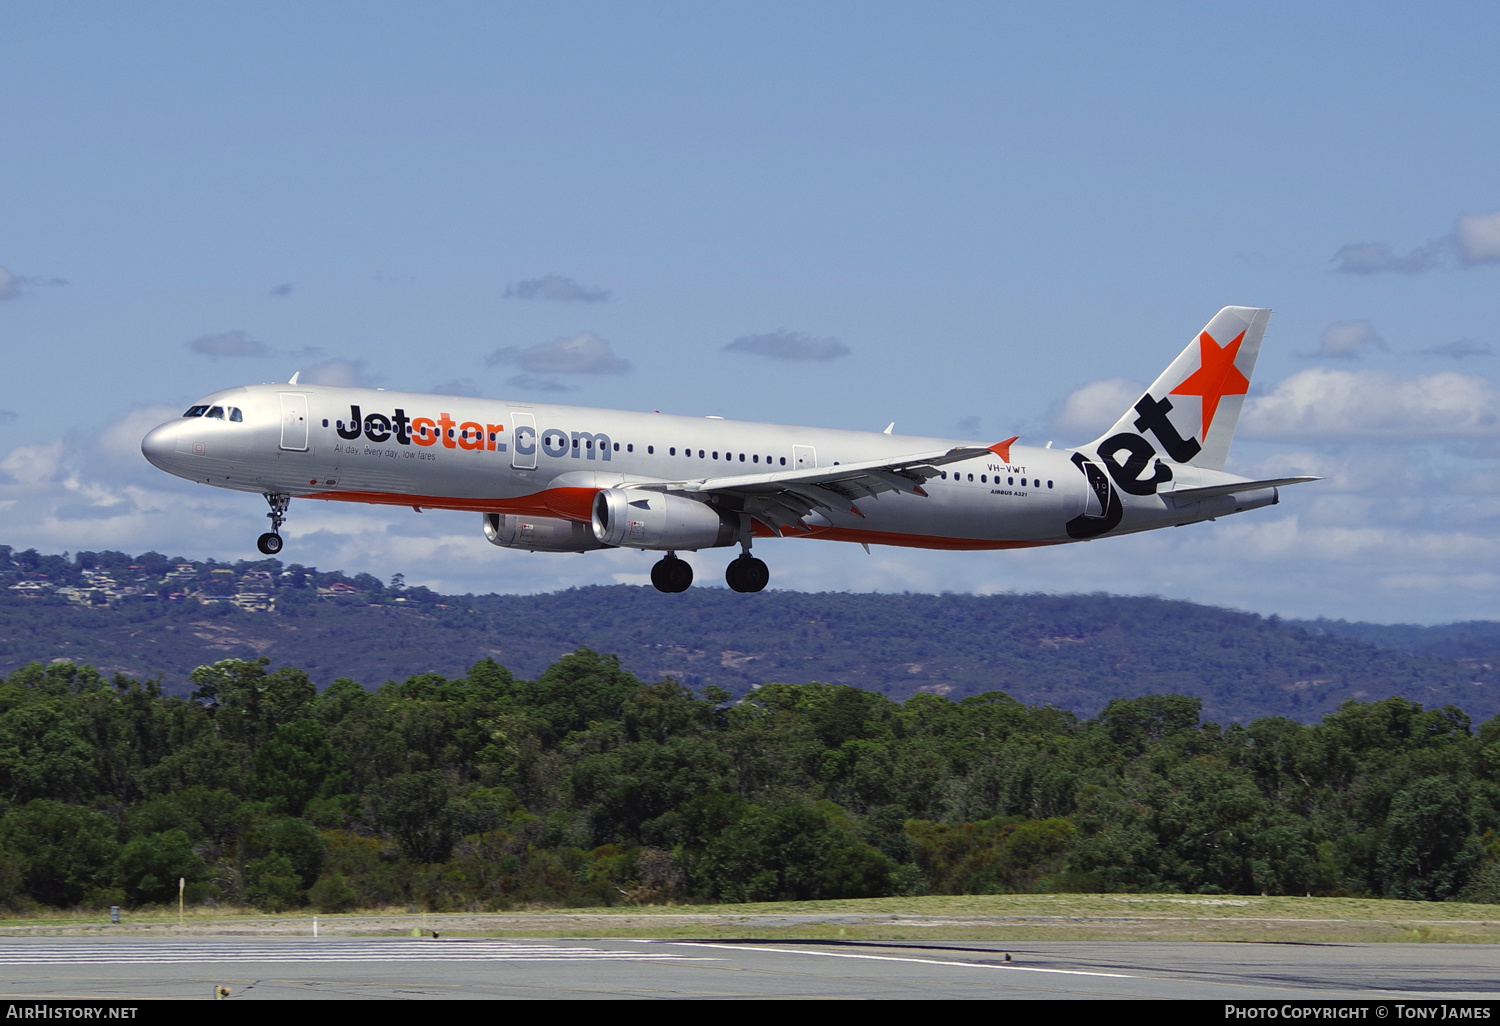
(543, 460)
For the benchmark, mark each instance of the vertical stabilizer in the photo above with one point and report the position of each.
(1189, 414)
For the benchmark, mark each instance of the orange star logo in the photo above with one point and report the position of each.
(1216, 376)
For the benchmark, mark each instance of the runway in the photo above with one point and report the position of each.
(389, 968)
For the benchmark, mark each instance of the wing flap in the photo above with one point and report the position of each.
(781, 499)
(900, 466)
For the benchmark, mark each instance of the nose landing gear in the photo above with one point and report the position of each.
(671, 575)
(270, 542)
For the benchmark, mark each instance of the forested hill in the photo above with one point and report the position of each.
(1473, 642)
(150, 616)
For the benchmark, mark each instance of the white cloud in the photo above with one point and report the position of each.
(1460, 349)
(12, 285)
(33, 465)
(1368, 406)
(537, 383)
(344, 373)
(557, 288)
(1347, 340)
(789, 345)
(585, 353)
(119, 444)
(229, 343)
(1475, 240)
(1478, 237)
(1380, 258)
(1091, 410)
(458, 386)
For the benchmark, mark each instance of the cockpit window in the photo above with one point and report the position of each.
(196, 411)
(235, 415)
(216, 412)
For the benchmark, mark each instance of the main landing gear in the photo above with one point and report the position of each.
(270, 542)
(745, 574)
(671, 575)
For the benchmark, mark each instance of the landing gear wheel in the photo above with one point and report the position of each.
(747, 574)
(270, 542)
(671, 575)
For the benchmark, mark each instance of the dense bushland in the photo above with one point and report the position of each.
(588, 786)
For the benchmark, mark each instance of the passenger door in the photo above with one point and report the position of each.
(294, 421)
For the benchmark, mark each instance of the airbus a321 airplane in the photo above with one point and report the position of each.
(568, 479)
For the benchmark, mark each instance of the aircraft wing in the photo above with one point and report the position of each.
(782, 498)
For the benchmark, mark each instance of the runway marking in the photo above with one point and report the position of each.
(919, 961)
(160, 953)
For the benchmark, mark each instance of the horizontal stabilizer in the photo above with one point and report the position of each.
(1209, 491)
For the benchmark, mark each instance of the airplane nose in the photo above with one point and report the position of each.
(159, 444)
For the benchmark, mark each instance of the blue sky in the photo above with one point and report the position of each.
(988, 220)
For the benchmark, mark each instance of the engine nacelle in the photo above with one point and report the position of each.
(538, 534)
(640, 519)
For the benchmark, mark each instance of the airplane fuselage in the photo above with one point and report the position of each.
(570, 479)
(544, 460)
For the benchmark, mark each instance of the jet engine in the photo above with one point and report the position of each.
(642, 519)
(538, 534)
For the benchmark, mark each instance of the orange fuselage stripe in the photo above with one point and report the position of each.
(565, 503)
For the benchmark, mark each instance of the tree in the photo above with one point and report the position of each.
(67, 850)
(415, 809)
(42, 756)
(1429, 844)
(578, 688)
(247, 702)
(150, 866)
(1131, 725)
(297, 765)
(793, 853)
